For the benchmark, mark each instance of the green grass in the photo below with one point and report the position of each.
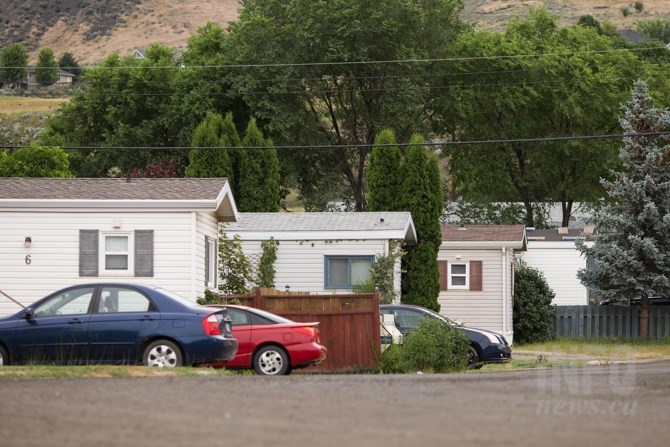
(523, 364)
(603, 348)
(105, 371)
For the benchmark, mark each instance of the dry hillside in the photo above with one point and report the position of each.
(91, 29)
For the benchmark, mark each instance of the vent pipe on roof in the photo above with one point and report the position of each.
(381, 220)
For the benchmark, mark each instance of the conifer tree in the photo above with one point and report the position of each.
(384, 173)
(422, 196)
(631, 255)
(214, 162)
(46, 71)
(258, 174)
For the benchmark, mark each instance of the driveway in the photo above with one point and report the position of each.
(614, 405)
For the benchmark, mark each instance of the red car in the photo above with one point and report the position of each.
(270, 344)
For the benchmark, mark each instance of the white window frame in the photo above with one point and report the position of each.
(130, 271)
(451, 276)
(213, 258)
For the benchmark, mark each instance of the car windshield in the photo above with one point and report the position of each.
(270, 316)
(432, 313)
(176, 297)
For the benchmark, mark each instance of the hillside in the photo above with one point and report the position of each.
(94, 28)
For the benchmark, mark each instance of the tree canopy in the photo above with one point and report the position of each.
(323, 82)
(46, 70)
(13, 63)
(631, 253)
(35, 161)
(535, 80)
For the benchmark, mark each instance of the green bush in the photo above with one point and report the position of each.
(214, 298)
(433, 347)
(533, 311)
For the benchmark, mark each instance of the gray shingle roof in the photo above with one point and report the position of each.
(111, 189)
(484, 233)
(337, 221)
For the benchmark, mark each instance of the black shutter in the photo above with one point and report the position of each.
(206, 260)
(144, 252)
(88, 252)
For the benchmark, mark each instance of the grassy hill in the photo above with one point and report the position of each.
(92, 29)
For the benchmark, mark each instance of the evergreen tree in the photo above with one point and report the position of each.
(214, 162)
(258, 174)
(384, 173)
(533, 311)
(68, 63)
(631, 255)
(46, 71)
(421, 192)
(421, 276)
(230, 138)
(13, 62)
(422, 196)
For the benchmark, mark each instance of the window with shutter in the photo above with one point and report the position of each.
(144, 253)
(88, 252)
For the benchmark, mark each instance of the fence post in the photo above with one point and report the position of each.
(258, 298)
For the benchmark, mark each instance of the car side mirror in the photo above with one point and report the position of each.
(28, 314)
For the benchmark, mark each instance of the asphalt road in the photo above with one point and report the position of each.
(615, 405)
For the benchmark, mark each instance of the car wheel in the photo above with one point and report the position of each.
(162, 354)
(271, 361)
(474, 361)
(4, 357)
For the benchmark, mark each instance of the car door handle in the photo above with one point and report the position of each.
(76, 321)
(146, 318)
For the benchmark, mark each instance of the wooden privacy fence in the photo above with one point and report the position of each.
(609, 321)
(349, 323)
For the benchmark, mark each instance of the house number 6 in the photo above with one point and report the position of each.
(28, 260)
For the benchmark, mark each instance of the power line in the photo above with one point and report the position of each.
(375, 62)
(364, 145)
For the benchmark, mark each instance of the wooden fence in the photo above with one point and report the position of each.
(348, 323)
(609, 321)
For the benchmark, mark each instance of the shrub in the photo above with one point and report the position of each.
(533, 310)
(214, 298)
(639, 6)
(433, 347)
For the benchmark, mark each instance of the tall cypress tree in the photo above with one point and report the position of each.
(205, 162)
(258, 174)
(384, 173)
(631, 255)
(46, 71)
(230, 139)
(422, 196)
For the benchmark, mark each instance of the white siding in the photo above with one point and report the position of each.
(206, 225)
(559, 262)
(55, 251)
(490, 308)
(300, 264)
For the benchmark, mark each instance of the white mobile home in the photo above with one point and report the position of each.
(58, 232)
(477, 274)
(554, 253)
(323, 252)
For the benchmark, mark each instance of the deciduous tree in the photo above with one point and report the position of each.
(13, 63)
(46, 70)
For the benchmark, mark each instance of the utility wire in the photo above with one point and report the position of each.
(364, 145)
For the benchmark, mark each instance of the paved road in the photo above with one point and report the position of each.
(615, 405)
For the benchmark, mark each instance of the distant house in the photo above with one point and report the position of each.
(65, 79)
(139, 53)
(323, 252)
(554, 253)
(477, 274)
(57, 232)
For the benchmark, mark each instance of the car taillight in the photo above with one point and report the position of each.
(211, 325)
(309, 331)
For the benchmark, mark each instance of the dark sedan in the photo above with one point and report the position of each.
(485, 346)
(118, 324)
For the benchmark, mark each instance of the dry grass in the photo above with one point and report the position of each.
(602, 349)
(15, 105)
(101, 371)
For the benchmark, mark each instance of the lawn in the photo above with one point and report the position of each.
(602, 349)
(16, 105)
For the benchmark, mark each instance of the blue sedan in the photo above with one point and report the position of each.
(118, 324)
(485, 346)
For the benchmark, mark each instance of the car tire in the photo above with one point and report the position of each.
(4, 357)
(271, 361)
(474, 361)
(162, 354)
